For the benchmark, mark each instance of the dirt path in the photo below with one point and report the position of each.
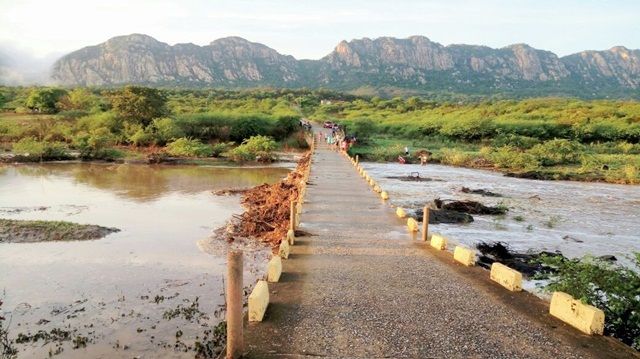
(360, 286)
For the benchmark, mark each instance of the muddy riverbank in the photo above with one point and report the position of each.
(22, 231)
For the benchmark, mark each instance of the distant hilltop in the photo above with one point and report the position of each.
(415, 64)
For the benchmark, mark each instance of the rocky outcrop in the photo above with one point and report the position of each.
(618, 64)
(139, 58)
(415, 63)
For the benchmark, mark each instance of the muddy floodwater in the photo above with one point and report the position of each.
(575, 218)
(146, 291)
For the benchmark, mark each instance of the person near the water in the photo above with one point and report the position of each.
(406, 151)
(423, 159)
(401, 160)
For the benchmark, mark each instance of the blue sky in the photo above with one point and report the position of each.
(310, 29)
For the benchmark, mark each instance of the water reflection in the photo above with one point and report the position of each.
(162, 211)
(143, 183)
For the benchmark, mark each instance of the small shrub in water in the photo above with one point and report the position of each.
(185, 147)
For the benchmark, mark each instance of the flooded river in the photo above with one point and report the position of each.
(575, 218)
(146, 291)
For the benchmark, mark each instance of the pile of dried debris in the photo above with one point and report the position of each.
(267, 207)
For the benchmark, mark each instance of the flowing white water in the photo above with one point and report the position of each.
(575, 218)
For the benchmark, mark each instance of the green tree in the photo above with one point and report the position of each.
(80, 99)
(137, 104)
(44, 100)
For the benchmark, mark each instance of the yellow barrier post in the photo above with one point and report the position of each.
(258, 301)
(586, 318)
(464, 256)
(506, 277)
(438, 242)
(412, 225)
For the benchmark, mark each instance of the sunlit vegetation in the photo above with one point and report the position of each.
(40, 124)
(610, 287)
(540, 138)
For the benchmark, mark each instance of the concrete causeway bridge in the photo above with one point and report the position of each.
(359, 285)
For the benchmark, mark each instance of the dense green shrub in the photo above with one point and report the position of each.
(95, 143)
(557, 152)
(512, 158)
(285, 126)
(44, 100)
(247, 127)
(363, 129)
(138, 104)
(254, 148)
(523, 142)
(32, 149)
(468, 128)
(614, 289)
(454, 157)
(186, 147)
(220, 148)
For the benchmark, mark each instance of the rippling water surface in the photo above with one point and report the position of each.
(576, 218)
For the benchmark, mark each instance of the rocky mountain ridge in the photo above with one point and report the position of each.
(415, 63)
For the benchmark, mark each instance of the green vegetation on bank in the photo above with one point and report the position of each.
(39, 124)
(547, 138)
(612, 288)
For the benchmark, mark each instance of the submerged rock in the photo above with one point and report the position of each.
(525, 263)
(413, 178)
(482, 192)
(437, 216)
(471, 207)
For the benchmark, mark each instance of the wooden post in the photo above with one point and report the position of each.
(425, 224)
(235, 339)
(292, 216)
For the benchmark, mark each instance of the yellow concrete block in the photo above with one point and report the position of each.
(400, 212)
(506, 277)
(291, 237)
(384, 195)
(412, 224)
(258, 301)
(283, 250)
(465, 256)
(377, 189)
(438, 242)
(274, 269)
(586, 318)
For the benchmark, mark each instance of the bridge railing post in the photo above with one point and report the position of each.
(292, 215)
(235, 336)
(425, 224)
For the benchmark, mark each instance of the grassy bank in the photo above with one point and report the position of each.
(42, 124)
(536, 138)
